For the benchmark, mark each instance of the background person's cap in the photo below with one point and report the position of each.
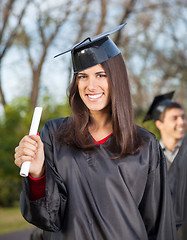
(158, 105)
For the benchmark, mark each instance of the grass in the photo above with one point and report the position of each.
(11, 220)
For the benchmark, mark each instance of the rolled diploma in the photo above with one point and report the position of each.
(33, 131)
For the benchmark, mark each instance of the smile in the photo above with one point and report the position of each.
(180, 129)
(95, 96)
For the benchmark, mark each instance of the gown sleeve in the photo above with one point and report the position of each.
(156, 205)
(47, 212)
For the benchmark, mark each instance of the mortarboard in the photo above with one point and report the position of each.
(93, 51)
(158, 105)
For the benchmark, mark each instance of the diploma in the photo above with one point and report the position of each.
(33, 131)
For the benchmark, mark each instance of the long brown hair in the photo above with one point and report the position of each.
(127, 139)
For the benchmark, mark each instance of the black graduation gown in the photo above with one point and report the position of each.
(91, 197)
(177, 176)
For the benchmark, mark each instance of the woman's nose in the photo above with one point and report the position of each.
(92, 83)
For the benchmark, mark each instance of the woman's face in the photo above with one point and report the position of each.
(94, 88)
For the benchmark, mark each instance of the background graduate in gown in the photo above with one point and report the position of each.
(95, 174)
(170, 119)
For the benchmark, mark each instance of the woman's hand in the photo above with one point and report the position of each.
(30, 149)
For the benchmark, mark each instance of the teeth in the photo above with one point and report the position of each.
(95, 96)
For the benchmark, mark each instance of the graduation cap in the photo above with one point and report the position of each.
(158, 105)
(93, 51)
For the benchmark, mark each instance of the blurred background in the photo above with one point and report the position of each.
(32, 32)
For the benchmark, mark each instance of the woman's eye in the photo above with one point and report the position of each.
(101, 75)
(81, 77)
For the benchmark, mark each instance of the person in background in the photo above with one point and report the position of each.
(169, 118)
(96, 175)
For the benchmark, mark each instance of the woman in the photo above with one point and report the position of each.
(96, 175)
